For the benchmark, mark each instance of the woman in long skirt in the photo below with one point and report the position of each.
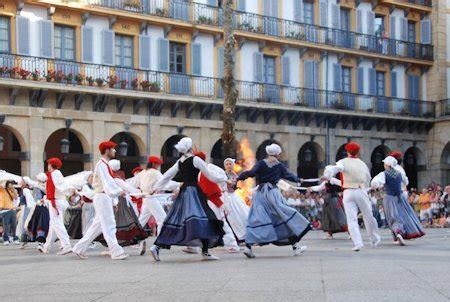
(236, 209)
(400, 217)
(190, 221)
(270, 220)
(333, 214)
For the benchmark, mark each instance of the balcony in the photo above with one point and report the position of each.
(445, 107)
(424, 5)
(126, 82)
(200, 14)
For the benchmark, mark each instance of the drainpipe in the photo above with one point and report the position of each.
(327, 125)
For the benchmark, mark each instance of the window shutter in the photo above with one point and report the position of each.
(258, 67)
(394, 84)
(404, 29)
(360, 80)
(425, 31)
(220, 54)
(267, 7)
(23, 35)
(46, 27)
(323, 13)
(337, 73)
(372, 81)
(212, 2)
(315, 74)
(298, 10)
(308, 74)
(359, 23)
(370, 23)
(241, 5)
(196, 59)
(393, 33)
(336, 20)
(286, 71)
(87, 41)
(108, 47)
(413, 87)
(144, 52)
(274, 8)
(163, 54)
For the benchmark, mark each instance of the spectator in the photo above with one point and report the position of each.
(9, 200)
(413, 199)
(446, 200)
(425, 205)
(441, 222)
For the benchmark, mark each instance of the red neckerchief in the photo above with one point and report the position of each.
(50, 189)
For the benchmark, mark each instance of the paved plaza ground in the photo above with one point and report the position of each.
(329, 271)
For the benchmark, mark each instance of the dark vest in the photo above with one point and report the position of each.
(188, 173)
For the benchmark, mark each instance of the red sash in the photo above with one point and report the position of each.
(87, 200)
(111, 172)
(211, 190)
(50, 187)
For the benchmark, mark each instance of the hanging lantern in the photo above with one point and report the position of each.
(123, 148)
(307, 155)
(65, 146)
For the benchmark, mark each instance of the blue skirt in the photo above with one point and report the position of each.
(401, 218)
(190, 222)
(270, 220)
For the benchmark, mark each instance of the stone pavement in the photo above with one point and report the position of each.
(328, 271)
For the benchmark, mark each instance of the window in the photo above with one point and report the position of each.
(124, 51)
(177, 58)
(345, 19)
(411, 32)
(4, 34)
(346, 79)
(269, 70)
(381, 84)
(308, 12)
(64, 43)
(379, 25)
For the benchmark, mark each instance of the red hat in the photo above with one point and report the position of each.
(106, 145)
(154, 160)
(352, 148)
(136, 170)
(396, 154)
(200, 154)
(55, 162)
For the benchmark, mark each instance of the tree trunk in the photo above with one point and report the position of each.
(228, 82)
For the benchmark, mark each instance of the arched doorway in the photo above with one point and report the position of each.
(66, 145)
(378, 154)
(261, 151)
(127, 152)
(217, 153)
(10, 152)
(168, 152)
(445, 165)
(413, 162)
(310, 160)
(341, 153)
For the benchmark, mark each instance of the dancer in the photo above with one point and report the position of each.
(190, 221)
(105, 190)
(355, 182)
(27, 203)
(87, 210)
(270, 220)
(57, 190)
(399, 157)
(400, 217)
(37, 223)
(333, 215)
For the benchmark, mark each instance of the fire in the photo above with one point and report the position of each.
(246, 163)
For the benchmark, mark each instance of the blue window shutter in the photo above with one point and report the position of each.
(372, 81)
(336, 12)
(196, 59)
(425, 31)
(144, 52)
(337, 74)
(404, 29)
(274, 8)
(370, 23)
(413, 87)
(258, 67)
(241, 5)
(212, 2)
(323, 13)
(163, 54)
(394, 84)
(108, 47)
(46, 31)
(359, 21)
(392, 29)
(267, 7)
(298, 10)
(286, 70)
(360, 80)
(23, 35)
(315, 74)
(220, 53)
(308, 74)
(87, 41)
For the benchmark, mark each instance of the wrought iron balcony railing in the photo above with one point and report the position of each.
(80, 74)
(198, 13)
(427, 3)
(445, 107)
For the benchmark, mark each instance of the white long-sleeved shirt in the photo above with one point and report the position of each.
(379, 180)
(62, 188)
(104, 182)
(87, 192)
(356, 173)
(322, 186)
(29, 198)
(198, 163)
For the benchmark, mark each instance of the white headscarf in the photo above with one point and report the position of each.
(184, 145)
(229, 159)
(273, 150)
(41, 177)
(87, 174)
(114, 164)
(390, 161)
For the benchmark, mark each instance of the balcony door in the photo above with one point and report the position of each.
(349, 98)
(64, 44)
(124, 49)
(382, 103)
(271, 90)
(179, 81)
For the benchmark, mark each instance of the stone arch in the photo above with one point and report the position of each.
(311, 157)
(217, 153)
(261, 150)
(378, 154)
(131, 156)
(445, 165)
(168, 152)
(11, 154)
(413, 162)
(341, 153)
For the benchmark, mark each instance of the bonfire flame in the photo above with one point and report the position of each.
(247, 162)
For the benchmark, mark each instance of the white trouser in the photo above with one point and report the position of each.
(56, 227)
(228, 239)
(354, 199)
(104, 222)
(152, 206)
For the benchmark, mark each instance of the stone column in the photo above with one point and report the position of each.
(37, 146)
(98, 136)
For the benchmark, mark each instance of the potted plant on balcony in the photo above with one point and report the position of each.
(123, 84)
(69, 78)
(204, 20)
(36, 75)
(13, 72)
(154, 87)
(90, 81)
(24, 74)
(100, 82)
(49, 76)
(132, 5)
(3, 71)
(59, 76)
(161, 12)
(135, 83)
(79, 78)
(112, 81)
(145, 85)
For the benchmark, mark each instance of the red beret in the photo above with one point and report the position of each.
(352, 148)
(106, 145)
(56, 162)
(201, 154)
(136, 170)
(154, 160)
(396, 154)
